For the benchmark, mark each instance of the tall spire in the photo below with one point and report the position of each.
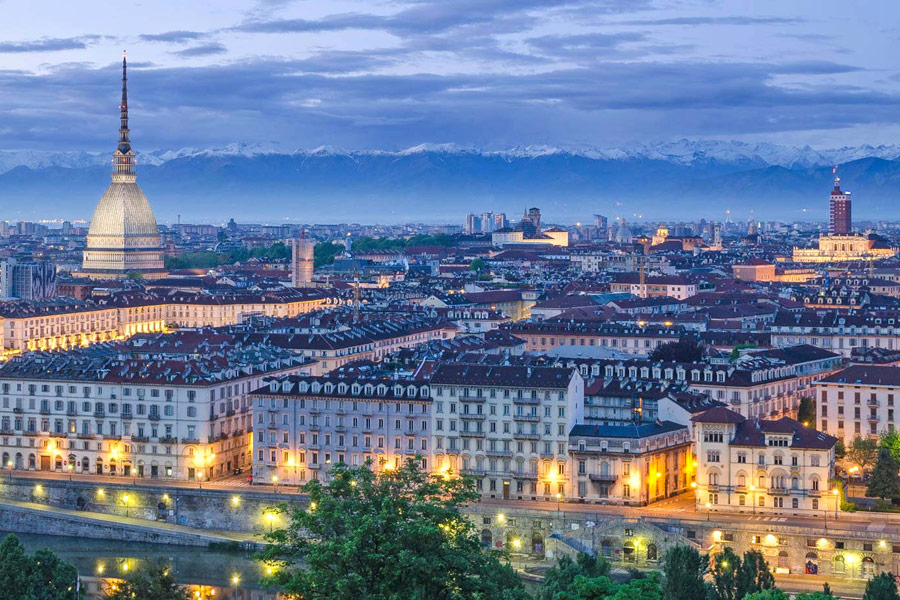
(123, 157)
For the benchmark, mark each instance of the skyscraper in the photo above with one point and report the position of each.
(302, 261)
(123, 237)
(841, 219)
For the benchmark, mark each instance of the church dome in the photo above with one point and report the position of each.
(123, 238)
(123, 214)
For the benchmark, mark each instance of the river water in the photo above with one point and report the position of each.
(210, 575)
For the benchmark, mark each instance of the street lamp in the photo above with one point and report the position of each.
(125, 500)
(837, 499)
(69, 468)
(708, 510)
(9, 466)
(275, 482)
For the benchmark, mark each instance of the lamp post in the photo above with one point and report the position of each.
(275, 482)
(200, 478)
(837, 499)
(9, 466)
(708, 510)
(69, 468)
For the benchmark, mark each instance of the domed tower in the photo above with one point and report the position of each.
(123, 238)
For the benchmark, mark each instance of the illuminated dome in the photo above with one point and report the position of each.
(123, 238)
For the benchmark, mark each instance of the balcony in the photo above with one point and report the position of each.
(127, 415)
(779, 491)
(229, 412)
(99, 414)
(168, 440)
(153, 416)
(85, 436)
(499, 452)
(45, 410)
(71, 413)
(526, 436)
(112, 437)
(471, 417)
(139, 439)
(527, 418)
(526, 400)
(17, 410)
(6, 431)
(477, 472)
(600, 478)
(471, 434)
(814, 493)
(190, 441)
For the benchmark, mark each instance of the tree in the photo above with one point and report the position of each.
(324, 253)
(561, 577)
(725, 570)
(754, 574)
(15, 570)
(891, 440)
(684, 350)
(644, 588)
(151, 581)
(771, 594)
(683, 572)
(476, 265)
(881, 587)
(806, 413)
(41, 576)
(862, 452)
(840, 450)
(823, 595)
(395, 533)
(52, 577)
(884, 482)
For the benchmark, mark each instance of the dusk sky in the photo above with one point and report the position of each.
(489, 73)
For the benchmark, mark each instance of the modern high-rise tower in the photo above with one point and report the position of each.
(302, 261)
(840, 222)
(123, 237)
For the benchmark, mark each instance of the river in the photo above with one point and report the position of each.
(209, 574)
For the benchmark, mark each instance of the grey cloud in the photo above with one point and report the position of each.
(203, 50)
(736, 20)
(178, 36)
(49, 44)
(300, 102)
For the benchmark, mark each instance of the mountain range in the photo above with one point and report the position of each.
(683, 179)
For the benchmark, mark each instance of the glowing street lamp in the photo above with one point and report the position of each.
(708, 510)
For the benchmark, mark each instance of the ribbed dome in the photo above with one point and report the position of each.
(122, 217)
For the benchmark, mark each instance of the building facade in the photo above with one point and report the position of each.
(761, 466)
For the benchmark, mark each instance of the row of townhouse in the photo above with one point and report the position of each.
(372, 341)
(766, 383)
(182, 412)
(837, 331)
(629, 338)
(859, 401)
(517, 430)
(64, 324)
(506, 426)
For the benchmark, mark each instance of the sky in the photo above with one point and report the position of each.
(495, 74)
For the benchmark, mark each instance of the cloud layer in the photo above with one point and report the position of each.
(493, 73)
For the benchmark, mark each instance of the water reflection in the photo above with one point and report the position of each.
(209, 575)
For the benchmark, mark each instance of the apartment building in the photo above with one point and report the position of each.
(507, 426)
(66, 323)
(859, 401)
(174, 407)
(305, 425)
(761, 466)
(630, 464)
(837, 331)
